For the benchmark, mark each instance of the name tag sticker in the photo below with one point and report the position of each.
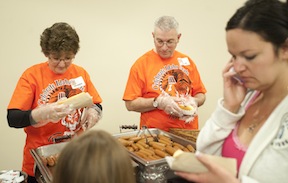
(77, 82)
(183, 61)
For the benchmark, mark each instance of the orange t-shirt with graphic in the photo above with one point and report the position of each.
(39, 85)
(151, 75)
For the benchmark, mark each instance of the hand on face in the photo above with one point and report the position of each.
(234, 91)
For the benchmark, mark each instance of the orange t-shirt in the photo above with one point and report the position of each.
(39, 85)
(151, 75)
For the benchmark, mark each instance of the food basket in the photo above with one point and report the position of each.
(190, 135)
(45, 151)
(153, 171)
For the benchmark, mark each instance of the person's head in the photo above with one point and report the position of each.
(94, 157)
(60, 44)
(256, 37)
(166, 36)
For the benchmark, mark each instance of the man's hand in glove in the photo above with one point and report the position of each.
(190, 102)
(169, 105)
(51, 112)
(90, 117)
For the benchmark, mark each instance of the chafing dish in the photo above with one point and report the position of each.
(47, 150)
(155, 171)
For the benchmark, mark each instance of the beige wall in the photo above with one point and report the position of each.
(113, 35)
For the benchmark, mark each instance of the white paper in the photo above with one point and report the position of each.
(187, 162)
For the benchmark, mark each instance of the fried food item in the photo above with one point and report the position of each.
(160, 153)
(187, 109)
(153, 150)
(50, 160)
(170, 150)
(178, 145)
(191, 148)
(125, 142)
(44, 160)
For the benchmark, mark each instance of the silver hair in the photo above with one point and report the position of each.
(166, 23)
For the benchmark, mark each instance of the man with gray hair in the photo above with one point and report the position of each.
(164, 85)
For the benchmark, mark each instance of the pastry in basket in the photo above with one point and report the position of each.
(187, 109)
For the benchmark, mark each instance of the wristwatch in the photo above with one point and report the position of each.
(155, 103)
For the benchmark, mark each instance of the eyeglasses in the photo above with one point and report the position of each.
(169, 43)
(58, 60)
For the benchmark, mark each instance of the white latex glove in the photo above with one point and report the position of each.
(51, 112)
(189, 101)
(169, 105)
(90, 117)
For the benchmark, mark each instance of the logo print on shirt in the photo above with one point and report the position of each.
(281, 139)
(56, 91)
(174, 80)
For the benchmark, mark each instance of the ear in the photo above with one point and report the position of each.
(153, 34)
(284, 50)
(179, 36)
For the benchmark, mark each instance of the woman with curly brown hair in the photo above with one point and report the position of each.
(34, 106)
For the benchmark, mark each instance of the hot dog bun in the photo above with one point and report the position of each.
(187, 109)
(177, 153)
(80, 100)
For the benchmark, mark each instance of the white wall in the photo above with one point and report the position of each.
(113, 34)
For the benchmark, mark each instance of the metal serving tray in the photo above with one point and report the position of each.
(46, 151)
(155, 171)
(153, 131)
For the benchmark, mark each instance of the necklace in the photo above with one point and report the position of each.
(252, 127)
(256, 121)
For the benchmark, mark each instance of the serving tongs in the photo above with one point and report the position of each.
(145, 128)
(56, 139)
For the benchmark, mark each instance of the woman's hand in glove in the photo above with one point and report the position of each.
(169, 105)
(51, 112)
(90, 117)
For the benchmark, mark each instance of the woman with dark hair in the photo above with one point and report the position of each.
(250, 122)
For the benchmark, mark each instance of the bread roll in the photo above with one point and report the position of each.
(80, 100)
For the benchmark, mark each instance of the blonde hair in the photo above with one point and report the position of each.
(94, 157)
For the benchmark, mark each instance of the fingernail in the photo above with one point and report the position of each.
(198, 153)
